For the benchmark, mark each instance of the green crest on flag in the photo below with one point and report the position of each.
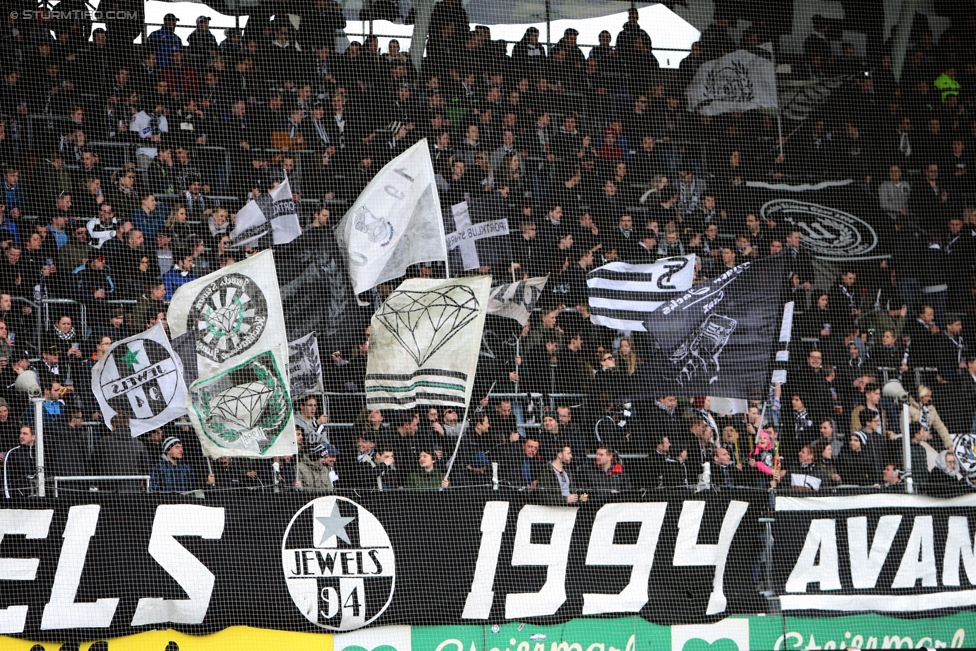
(245, 407)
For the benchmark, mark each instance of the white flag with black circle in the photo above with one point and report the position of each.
(424, 343)
(231, 314)
(741, 81)
(305, 366)
(272, 214)
(396, 221)
(142, 378)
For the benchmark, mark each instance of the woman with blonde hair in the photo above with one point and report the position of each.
(182, 231)
(626, 353)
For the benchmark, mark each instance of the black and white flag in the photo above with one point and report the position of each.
(305, 366)
(516, 300)
(718, 337)
(272, 218)
(623, 295)
(424, 343)
(741, 81)
(142, 378)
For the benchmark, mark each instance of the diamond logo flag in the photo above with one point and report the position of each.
(244, 410)
(395, 222)
(142, 378)
(270, 219)
(424, 343)
(305, 366)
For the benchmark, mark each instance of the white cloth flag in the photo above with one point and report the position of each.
(516, 300)
(424, 343)
(305, 366)
(142, 378)
(740, 81)
(395, 222)
(623, 295)
(273, 212)
(241, 405)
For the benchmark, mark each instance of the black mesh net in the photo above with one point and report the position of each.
(362, 326)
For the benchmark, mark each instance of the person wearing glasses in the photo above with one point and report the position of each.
(607, 379)
(103, 227)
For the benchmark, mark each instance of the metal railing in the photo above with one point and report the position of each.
(100, 478)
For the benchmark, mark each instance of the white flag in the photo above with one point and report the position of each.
(305, 366)
(740, 81)
(142, 378)
(273, 212)
(516, 300)
(241, 405)
(395, 222)
(424, 343)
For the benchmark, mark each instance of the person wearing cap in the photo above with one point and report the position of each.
(166, 40)
(317, 471)
(171, 474)
(201, 41)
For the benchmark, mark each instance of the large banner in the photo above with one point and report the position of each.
(886, 553)
(838, 221)
(93, 567)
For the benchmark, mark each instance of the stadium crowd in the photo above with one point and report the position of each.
(596, 158)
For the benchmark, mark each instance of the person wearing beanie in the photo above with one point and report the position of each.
(857, 464)
(317, 470)
(171, 474)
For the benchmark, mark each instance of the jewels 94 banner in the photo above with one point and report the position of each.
(96, 567)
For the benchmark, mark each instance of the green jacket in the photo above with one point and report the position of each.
(422, 480)
(548, 490)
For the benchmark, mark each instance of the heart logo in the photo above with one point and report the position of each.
(422, 322)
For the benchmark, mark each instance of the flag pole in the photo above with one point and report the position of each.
(464, 429)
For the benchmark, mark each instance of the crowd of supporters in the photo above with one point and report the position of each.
(123, 167)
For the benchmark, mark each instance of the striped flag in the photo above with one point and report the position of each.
(424, 343)
(623, 295)
(516, 300)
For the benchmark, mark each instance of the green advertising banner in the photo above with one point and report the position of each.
(737, 633)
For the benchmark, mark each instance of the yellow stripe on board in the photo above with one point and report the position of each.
(235, 638)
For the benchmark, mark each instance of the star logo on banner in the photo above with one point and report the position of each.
(131, 358)
(334, 525)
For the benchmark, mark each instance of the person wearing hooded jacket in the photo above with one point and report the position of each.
(945, 478)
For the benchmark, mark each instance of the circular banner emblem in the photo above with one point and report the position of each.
(140, 380)
(964, 449)
(338, 564)
(828, 233)
(228, 316)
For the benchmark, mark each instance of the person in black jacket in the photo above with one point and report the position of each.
(724, 472)
(19, 466)
(857, 465)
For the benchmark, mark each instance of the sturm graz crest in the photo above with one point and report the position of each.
(228, 316)
(338, 564)
(245, 407)
(964, 448)
(141, 379)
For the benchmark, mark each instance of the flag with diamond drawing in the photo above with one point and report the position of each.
(424, 343)
(142, 378)
(244, 410)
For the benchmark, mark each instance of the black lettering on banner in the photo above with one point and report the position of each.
(673, 267)
(393, 192)
(402, 172)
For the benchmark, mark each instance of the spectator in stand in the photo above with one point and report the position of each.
(20, 466)
(120, 454)
(427, 476)
(317, 471)
(556, 485)
(171, 474)
(180, 274)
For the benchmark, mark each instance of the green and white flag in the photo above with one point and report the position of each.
(142, 378)
(424, 343)
(244, 410)
(234, 321)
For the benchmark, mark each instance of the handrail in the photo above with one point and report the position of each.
(80, 478)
